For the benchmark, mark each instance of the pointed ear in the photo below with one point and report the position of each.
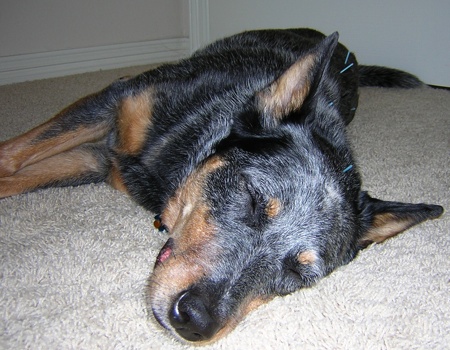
(383, 220)
(290, 90)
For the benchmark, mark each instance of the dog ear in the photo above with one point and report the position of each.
(382, 219)
(289, 92)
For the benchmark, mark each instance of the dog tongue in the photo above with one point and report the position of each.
(165, 252)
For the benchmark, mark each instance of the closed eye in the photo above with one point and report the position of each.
(307, 272)
(255, 207)
(255, 201)
(292, 268)
(291, 281)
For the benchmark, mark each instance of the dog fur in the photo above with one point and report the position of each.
(242, 149)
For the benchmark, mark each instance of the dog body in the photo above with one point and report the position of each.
(242, 149)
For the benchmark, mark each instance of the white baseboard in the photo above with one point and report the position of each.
(14, 69)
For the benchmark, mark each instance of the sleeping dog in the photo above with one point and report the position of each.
(243, 152)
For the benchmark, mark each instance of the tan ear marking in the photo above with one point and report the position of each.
(385, 226)
(289, 91)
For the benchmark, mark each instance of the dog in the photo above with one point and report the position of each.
(243, 152)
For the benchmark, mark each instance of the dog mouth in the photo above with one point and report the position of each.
(190, 305)
(186, 314)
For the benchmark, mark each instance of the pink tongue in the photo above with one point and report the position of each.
(165, 252)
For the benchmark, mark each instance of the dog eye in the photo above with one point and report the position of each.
(292, 269)
(304, 268)
(291, 281)
(255, 200)
(292, 266)
(254, 210)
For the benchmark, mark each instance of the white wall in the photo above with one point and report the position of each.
(413, 35)
(50, 38)
(31, 26)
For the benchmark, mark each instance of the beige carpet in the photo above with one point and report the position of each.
(74, 262)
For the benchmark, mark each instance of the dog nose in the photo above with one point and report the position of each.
(191, 319)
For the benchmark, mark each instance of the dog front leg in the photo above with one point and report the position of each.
(87, 120)
(81, 165)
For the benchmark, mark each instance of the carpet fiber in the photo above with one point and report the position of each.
(74, 262)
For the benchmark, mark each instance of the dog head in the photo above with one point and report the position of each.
(275, 208)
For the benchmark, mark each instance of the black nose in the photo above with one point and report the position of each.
(191, 319)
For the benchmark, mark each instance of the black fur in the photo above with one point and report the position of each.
(387, 77)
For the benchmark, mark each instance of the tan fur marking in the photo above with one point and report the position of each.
(188, 220)
(246, 307)
(172, 277)
(255, 303)
(115, 179)
(186, 196)
(135, 115)
(289, 91)
(23, 151)
(58, 167)
(307, 257)
(273, 207)
(385, 226)
(197, 227)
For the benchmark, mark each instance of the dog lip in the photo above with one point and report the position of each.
(165, 252)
